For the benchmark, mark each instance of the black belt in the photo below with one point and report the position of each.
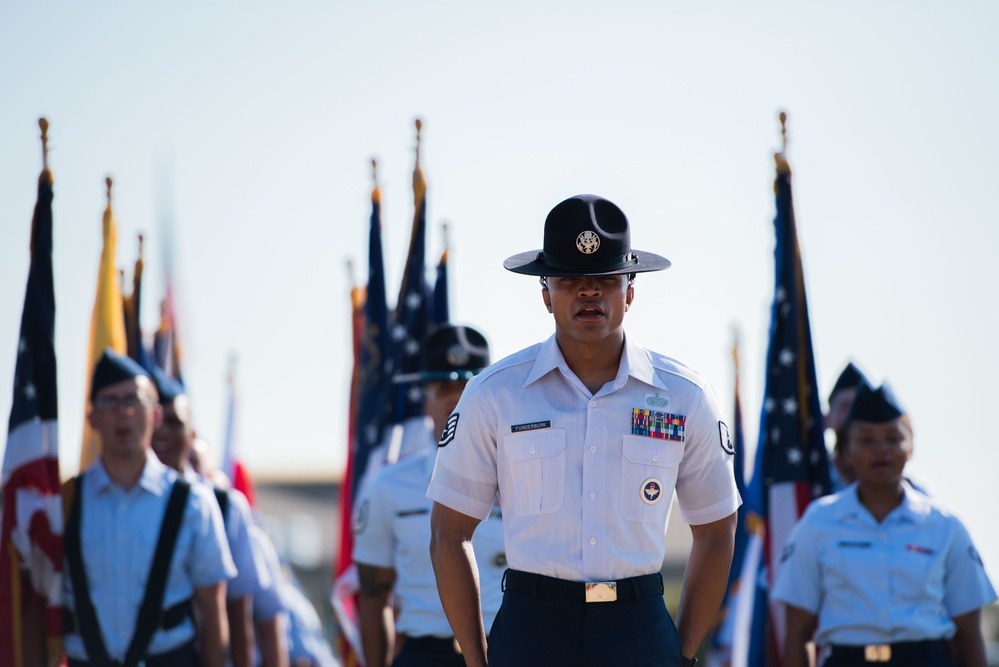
(898, 652)
(169, 618)
(539, 585)
(183, 656)
(431, 644)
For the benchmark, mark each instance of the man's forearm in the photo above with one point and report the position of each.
(704, 581)
(241, 638)
(458, 580)
(213, 627)
(377, 629)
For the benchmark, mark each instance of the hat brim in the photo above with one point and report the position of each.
(435, 376)
(532, 263)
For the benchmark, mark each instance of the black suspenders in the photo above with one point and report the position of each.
(151, 610)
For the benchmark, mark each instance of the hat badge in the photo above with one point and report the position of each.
(457, 355)
(588, 242)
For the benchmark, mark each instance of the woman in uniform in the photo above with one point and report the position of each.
(880, 573)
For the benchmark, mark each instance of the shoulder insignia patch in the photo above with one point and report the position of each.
(361, 517)
(449, 430)
(726, 439)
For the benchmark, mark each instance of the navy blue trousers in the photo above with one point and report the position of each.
(540, 632)
(428, 652)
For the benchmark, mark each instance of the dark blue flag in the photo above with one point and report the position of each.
(440, 312)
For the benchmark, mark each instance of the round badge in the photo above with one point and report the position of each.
(588, 242)
(652, 491)
(499, 560)
(361, 517)
(457, 355)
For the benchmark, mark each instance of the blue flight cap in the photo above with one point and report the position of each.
(168, 388)
(850, 378)
(875, 405)
(113, 368)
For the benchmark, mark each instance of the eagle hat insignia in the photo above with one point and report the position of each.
(588, 242)
(652, 491)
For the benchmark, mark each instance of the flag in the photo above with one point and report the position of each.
(232, 465)
(107, 325)
(31, 533)
(132, 313)
(440, 312)
(792, 466)
(370, 385)
(409, 332)
(166, 349)
(721, 642)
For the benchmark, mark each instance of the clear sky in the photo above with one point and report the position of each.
(255, 122)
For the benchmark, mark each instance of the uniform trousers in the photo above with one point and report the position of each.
(931, 653)
(428, 652)
(185, 656)
(532, 630)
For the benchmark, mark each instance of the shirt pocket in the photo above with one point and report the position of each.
(648, 462)
(537, 470)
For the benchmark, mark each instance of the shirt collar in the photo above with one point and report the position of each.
(915, 507)
(152, 479)
(635, 362)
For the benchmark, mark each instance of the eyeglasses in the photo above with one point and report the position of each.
(131, 403)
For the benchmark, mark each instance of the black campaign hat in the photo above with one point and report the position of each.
(586, 235)
(113, 368)
(452, 353)
(850, 378)
(875, 405)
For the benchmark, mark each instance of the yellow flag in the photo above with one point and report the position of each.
(107, 326)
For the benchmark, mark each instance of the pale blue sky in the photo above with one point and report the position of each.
(265, 116)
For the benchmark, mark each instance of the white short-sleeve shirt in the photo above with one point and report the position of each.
(903, 579)
(392, 530)
(585, 480)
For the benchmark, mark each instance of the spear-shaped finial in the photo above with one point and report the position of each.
(142, 240)
(376, 192)
(783, 131)
(231, 370)
(43, 123)
(351, 275)
(109, 183)
(419, 128)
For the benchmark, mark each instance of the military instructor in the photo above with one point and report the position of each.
(584, 438)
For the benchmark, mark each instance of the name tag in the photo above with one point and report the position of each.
(531, 426)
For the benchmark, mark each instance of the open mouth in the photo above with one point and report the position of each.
(589, 313)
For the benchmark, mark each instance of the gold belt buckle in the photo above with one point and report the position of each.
(877, 653)
(601, 591)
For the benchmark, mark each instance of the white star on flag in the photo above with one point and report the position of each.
(412, 347)
(413, 300)
(770, 404)
(794, 455)
(781, 294)
(22, 346)
(775, 435)
(790, 406)
(786, 357)
(398, 332)
(29, 391)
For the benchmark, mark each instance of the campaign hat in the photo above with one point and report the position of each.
(452, 353)
(875, 405)
(113, 368)
(586, 235)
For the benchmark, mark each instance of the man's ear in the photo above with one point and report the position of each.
(629, 296)
(92, 418)
(547, 297)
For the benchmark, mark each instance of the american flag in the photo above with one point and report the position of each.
(31, 538)
(792, 466)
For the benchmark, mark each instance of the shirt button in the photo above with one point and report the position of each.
(593, 540)
(593, 448)
(655, 457)
(593, 404)
(533, 450)
(592, 495)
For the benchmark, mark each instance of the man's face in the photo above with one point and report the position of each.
(173, 439)
(125, 414)
(588, 309)
(440, 400)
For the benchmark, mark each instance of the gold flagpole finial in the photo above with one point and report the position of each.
(781, 158)
(783, 131)
(109, 183)
(43, 123)
(142, 240)
(419, 128)
(376, 192)
(121, 280)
